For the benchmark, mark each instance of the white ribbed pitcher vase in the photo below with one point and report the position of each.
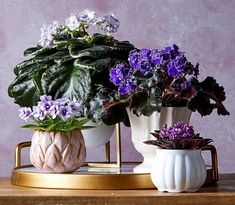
(178, 170)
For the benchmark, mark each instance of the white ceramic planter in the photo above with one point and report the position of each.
(97, 136)
(178, 170)
(142, 126)
(57, 152)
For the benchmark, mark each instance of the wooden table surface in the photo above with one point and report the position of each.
(222, 194)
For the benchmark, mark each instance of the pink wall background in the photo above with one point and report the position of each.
(205, 29)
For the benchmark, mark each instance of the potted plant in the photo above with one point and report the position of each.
(158, 87)
(69, 62)
(178, 165)
(57, 143)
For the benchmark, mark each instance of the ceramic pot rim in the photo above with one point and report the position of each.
(181, 151)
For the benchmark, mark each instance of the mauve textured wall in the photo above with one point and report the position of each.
(205, 29)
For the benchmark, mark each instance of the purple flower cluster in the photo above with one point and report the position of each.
(108, 23)
(122, 76)
(141, 61)
(63, 108)
(170, 60)
(179, 130)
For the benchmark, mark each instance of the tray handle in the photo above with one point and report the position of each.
(18, 149)
(214, 160)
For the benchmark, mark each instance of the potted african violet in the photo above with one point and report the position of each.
(57, 143)
(158, 87)
(69, 62)
(178, 165)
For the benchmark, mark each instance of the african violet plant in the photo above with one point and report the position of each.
(68, 61)
(55, 115)
(179, 136)
(160, 78)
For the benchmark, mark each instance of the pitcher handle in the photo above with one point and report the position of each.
(214, 160)
(18, 149)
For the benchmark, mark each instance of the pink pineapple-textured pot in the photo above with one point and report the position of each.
(57, 152)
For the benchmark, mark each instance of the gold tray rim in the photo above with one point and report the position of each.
(87, 181)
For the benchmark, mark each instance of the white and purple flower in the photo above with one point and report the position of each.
(72, 22)
(65, 112)
(25, 113)
(54, 111)
(61, 108)
(87, 16)
(47, 34)
(109, 24)
(38, 113)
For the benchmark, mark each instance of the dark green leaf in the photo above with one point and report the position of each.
(97, 65)
(67, 81)
(96, 52)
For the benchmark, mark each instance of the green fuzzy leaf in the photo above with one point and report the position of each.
(209, 96)
(146, 105)
(97, 65)
(39, 51)
(31, 51)
(24, 91)
(104, 107)
(67, 81)
(76, 67)
(49, 124)
(96, 52)
(87, 127)
(79, 123)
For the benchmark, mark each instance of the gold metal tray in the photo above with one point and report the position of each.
(98, 177)
(88, 178)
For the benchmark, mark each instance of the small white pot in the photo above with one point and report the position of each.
(142, 126)
(178, 170)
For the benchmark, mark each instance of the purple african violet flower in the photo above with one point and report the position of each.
(178, 131)
(156, 57)
(87, 16)
(145, 54)
(176, 67)
(122, 76)
(25, 113)
(167, 49)
(61, 102)
(134, 59)
(145, 68)
(47, 34)
(45, 98)
(75, 106)
(116, 75)
(54, 111)
(123, 89)
(72, 22)
(109, 24)
(46, 108)
(65, 112)
(179, 136)
(38, 113)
